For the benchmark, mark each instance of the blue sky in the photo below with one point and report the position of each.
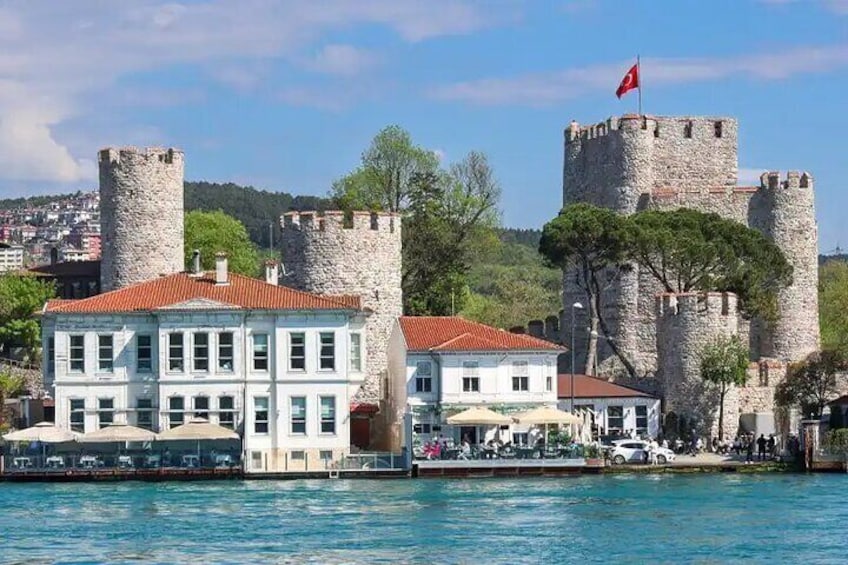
(285, 95)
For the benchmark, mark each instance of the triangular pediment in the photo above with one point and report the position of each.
(199, 304)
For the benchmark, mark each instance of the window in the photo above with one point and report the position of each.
(519, 438)
(77, 415)
(298, 455)
(260, 414)
(176, 414)
(520, 377)
(298, 414)
(717, 127)
(356, 352)
(326, 454)
(327, 360)
(642, 418)
(226, 412)
(422, 429)
(144, 354)
(687, 130)
(175, 352)
(260, 352)
(297, 352)
(256, 459)
(77, 354)
(328, 414)
(105, 411)
(201, 352)
(615, 418)
(423, 377)
(51, 355)
(549, 384)
(225, 351)
(105, 360)
(470, 376)
(201, 407)
(144, 413)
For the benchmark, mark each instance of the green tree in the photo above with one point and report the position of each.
(590, 244)
(836, 442)
(211, 232)
(812, 383)
(689, 250)
(447, 214)
(724, 363)
(21, 296)
(833, 303)
(10, 387)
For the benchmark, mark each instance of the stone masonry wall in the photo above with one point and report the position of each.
(326, 254)
(141, 215)
(686, 323)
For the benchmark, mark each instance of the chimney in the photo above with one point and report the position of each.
(222, 277)
(272, 272)
(195, 263)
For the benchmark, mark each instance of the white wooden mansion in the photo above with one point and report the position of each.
(439, 366)
(279, 365)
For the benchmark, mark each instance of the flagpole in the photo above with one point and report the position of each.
(639, 74)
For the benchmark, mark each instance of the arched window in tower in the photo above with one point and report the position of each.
(718, 128)
(687, 130)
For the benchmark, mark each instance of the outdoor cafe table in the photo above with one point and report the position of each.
(55, 462)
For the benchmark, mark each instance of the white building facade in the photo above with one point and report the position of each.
(11, 257)
(440, 366)
(277, 365)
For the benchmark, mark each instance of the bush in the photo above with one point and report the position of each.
(836, 442)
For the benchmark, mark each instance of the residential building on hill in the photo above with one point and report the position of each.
(611, 408)
(11, 257)
(278, 365)
(439, 366)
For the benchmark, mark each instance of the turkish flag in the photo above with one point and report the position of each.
(629, 82)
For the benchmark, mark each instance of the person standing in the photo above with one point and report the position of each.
(749, 450)
(761, 447)
(772, 443)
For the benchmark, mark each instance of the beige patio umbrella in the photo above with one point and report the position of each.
(547, 415)
(44, 432)
(479, 416)
(197, 429)
(118, 433)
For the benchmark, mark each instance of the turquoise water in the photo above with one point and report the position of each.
(626, 518)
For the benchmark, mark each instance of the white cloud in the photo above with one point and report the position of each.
(60, 61)
(546, 88)
(344, 60)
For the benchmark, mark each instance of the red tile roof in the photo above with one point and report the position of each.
(242, 292)
(594, 387)
(452, 333)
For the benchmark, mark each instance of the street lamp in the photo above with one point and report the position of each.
(575, 306)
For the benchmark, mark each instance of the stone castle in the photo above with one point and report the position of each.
(635, 163)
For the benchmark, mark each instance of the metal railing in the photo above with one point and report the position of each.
(62, 463)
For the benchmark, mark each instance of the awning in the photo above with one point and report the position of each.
(547, 415)
(197, 429)
(115, 433)
(479, 416)
(363, 408)
(45, 432)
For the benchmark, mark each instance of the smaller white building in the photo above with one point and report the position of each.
(612, 408)
(11, 257)
(440, 366)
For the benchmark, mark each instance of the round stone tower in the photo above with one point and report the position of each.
(686, 322)
(141, 215)
(358, 254)
(790, 221)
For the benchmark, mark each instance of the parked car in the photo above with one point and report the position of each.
(635, 451)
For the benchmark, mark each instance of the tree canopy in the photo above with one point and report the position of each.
(21, 296)
(810, 384)
(689, 250)
(447, 212)
(833, 304)
(211, 232)
(724, 363)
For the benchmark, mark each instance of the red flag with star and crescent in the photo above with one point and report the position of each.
(629, 82)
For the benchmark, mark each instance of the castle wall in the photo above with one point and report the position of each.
(141, 215)
(686, 323)
(325, 254)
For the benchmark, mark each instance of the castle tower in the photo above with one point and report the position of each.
(141, 215)
(686, 322)
(360, 255)
(788, 218)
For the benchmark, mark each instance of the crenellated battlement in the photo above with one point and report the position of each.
(700, 303)
(661, 127)
(794, 179)
(135, 155)
(337, 220)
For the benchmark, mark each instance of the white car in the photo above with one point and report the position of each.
(635, 451)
